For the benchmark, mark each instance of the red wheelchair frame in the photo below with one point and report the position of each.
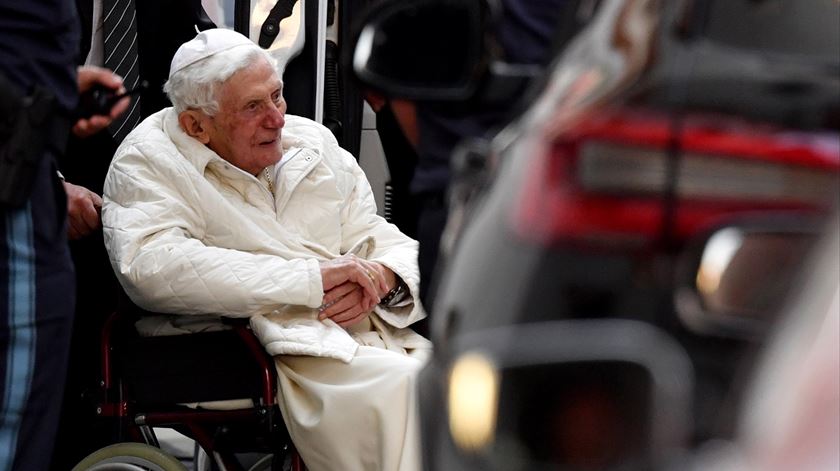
(146, 381)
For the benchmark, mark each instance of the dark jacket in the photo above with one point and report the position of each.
(162, 26)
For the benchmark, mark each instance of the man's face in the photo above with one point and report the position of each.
(246, 130)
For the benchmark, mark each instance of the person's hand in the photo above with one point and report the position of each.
(352, 286)
(387, 275)
(88, 76)
(346, 304)
(352, 268)
(83, 207)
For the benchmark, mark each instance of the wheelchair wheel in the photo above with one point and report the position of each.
(129, 457)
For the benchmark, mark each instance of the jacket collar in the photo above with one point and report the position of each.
(193, 151)
(199, 155)
(303, 154)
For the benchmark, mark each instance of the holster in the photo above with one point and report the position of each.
(28, 124)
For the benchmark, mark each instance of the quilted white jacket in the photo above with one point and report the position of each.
(188, 233)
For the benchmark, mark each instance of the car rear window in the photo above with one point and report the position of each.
(801, 27)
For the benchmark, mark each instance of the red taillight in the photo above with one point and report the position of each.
(554, 205)
(611, 178)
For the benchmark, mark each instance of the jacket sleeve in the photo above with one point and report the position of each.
(393, 249)
(153, 233)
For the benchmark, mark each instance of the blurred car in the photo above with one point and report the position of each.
(616, 256)
(790, 417)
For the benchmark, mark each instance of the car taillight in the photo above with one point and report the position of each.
(635, 176)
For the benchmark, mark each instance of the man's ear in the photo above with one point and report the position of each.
(194, 123)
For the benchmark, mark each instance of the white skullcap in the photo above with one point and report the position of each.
(206, 44)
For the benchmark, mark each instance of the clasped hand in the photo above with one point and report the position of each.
(352, 287)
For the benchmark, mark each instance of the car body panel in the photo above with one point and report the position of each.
(735, 134)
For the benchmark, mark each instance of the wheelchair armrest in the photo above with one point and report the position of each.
(264, 360)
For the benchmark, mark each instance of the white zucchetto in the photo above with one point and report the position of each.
(206, 44)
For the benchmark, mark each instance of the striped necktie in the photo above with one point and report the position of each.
(119, 27)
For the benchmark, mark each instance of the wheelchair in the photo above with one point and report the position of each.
(218, 388)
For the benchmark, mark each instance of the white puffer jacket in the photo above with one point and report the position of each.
(188, 233)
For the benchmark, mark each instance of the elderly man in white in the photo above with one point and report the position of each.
(224, 204)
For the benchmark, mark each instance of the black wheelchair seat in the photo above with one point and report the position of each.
(210, 366)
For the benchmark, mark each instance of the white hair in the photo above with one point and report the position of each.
(196, 86)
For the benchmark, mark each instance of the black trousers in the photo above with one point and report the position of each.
(432, 213)
(37, 296)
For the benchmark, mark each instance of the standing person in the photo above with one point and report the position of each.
(38, 95)
(400, 156)
(526, 34)
(225, 204)
(137, 39)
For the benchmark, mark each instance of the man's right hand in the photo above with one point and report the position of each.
(346, 304)
(83, 208)
(88, 77)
